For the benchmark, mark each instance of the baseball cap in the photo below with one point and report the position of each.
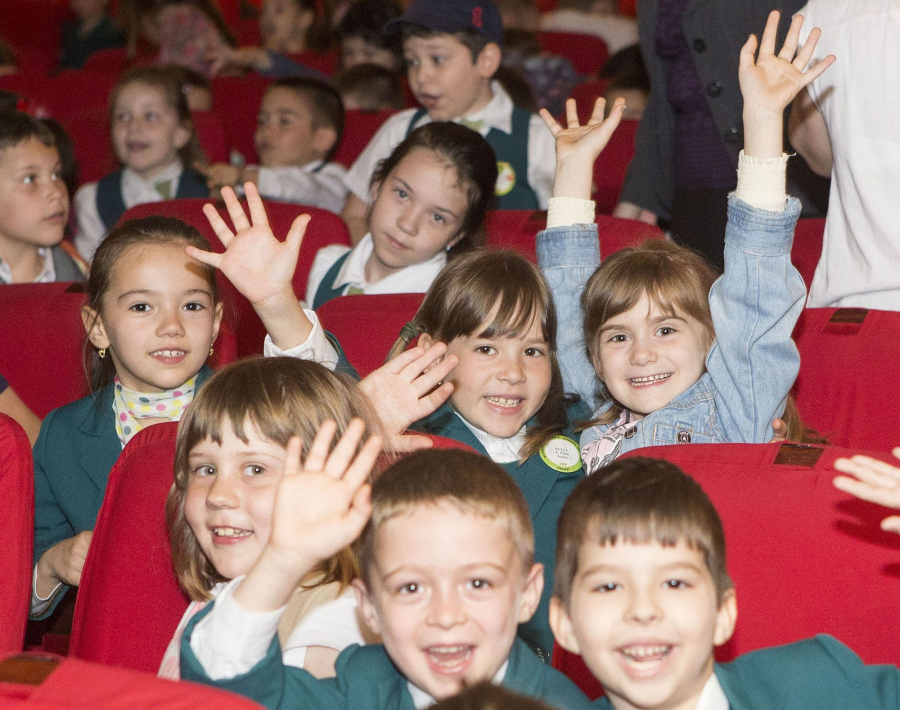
(452, 16)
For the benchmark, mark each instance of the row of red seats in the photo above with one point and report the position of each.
(801, 553)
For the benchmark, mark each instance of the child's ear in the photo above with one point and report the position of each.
(726, 618)
(217, 320)
(426, 341)
(366, 607)
(93, 326)
(323, 139)
(488, 60)
(183, 135)
(561, 624)
(531, 593)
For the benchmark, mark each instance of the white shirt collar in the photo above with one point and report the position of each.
(412, 279)
(497, 113)
(422, 700)
(500, 450)
(712, 697)
(136, 189)
(48, 270)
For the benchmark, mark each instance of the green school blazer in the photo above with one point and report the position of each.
(545, 489)
(367, 679)
(74, 453)
(819, 673)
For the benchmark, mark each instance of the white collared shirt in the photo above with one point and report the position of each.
(316, 184)
(135, 191)
(500, 450)
(48, 271)
(496, 114)
(416, 278)
(422, 700)
(712, 697)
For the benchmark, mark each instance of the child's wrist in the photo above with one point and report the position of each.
(574, 178)
(763, 133)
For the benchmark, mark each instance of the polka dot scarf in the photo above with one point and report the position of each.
(130, 407)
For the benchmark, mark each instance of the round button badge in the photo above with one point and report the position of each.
(561, 454)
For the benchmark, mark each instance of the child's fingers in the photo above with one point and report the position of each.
(748, 53)
(204, 257)
(815, 72)
(554, 127)
(407, 443)
(609, 126)
(357, 473)
(396, 365)
(255, 205)
(297, 231)
(598, 112)
(430, 402)
(864, 465)
(572, 113)
(430, 379)
(806, 51)
(218, 224)
(360, 510)
(891, 524)
(292, 453)
(767, 44)
(343, 452)
(789, 48)
(235, 210)
(318, 450)
(427, 359)
(887, 498)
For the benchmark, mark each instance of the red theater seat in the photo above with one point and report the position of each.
(611, 166)
(588, 53)
(16, 532)
(359, 127)
(805, 557)
(129, 603)
(517, 229)
(367, 326)
(325, 228)
(807, 248)
(212, 136)
(108, 61)
(237, 99)
(847, 388)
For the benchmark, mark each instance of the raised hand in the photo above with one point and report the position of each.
(874, 481)
(408, 388)
(577, 146)
(770, 81)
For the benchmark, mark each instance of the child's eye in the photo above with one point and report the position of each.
(411, 62)
(151, 116)
(533, 352)
(438, 59)
(254, 470)
(123, 117)
(618, 338)
(56, 175)
(606, 587)
(485, 350)
(140, 307)
(410, 588)
(439, 218)
(676, 584)
(480, 584)
(401, 193)
(194, 306)
(204, 470)
(29, 179)
(667, 330)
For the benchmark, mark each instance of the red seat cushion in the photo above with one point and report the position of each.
(807, 248)
(237, 100)
(368, 326)
(16, 532)
(129, 603)
(802, 554)
(359, 127)
(324, 228)
(588, 53)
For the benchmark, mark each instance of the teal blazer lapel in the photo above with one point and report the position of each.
(101, 447)
(535, 478)
(395, 694)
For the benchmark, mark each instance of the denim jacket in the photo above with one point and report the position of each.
(753, 362)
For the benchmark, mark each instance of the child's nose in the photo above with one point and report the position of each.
(643, 607)
(511, 370)
(446, 609)
(408, 221)
(171, 323)
(643, 352)
(222, 493)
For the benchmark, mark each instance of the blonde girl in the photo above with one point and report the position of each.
(680, 359)
(153, 138)
(229, 460)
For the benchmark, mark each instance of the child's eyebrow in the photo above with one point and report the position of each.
(669, 316)
(613, 326)
(147, 291)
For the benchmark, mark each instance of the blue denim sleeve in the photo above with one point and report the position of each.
(568, 256)
(755, 305)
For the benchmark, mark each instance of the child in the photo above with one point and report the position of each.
(452, 49)
(300, 124)
(91, 30)
(190, 33)
(34, 204)
(228, 462)
(676, 366)
(447, 573)
(430, 198)
(153, 316)
(361, 39)
(370, 87)
(153, 137)
(495, 312)
(643, 595)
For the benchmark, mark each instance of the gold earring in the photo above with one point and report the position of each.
(210, 350)
(102, 353)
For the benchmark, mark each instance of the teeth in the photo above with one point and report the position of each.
(230, 532)
(504, 401)
(650, 379)
(448, 650)
(645, 653)
(169, 353)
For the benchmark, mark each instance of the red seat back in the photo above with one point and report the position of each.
(847, 389)
(107, 61)
(129, 603)
(325, 228)
(323, 62)
(802, 554)
(367, 326)
(588, 53)
(89, 129)
(211, 134)
(237, 101)
(359, 127)
(517, 229)
(807, 248)
(17, 533)
(611, 166)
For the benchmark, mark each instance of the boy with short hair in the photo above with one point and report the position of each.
(447, 575)
(452, 50)
(34, 204)
(300, 125)
(643, 594)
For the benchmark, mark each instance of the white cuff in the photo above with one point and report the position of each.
(762, 182)
(229, 640)
(40, 604)
(316, 347)
(566, 211)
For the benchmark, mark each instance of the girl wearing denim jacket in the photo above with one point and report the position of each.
(679, 356)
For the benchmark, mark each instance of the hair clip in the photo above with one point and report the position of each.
(409, 332)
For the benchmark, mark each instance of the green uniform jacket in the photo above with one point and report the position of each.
(367, 679)
(74, 453)
(819, 673)
(545, 489)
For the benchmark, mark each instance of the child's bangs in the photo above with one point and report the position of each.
(513, 314)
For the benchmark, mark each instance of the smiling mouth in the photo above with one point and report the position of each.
(134, 147)
(398, 246)
(645, 660)
(449, 660)
(648, 381)
(505, 402)
(233, 533)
